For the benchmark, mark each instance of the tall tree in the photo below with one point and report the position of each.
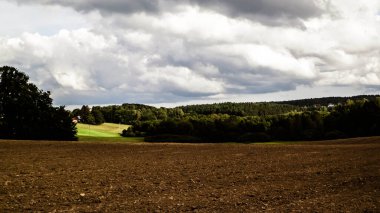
(86, 116)
(26, 112)
(98, 115)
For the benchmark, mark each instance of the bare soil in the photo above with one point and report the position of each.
(332, 176)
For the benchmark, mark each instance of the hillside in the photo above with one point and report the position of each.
(104, 132)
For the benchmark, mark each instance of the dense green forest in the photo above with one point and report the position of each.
(308, 119)
(26, 112)
(351, 119)
(318, 102)
(241, 109)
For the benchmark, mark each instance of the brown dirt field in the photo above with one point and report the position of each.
(333, 176)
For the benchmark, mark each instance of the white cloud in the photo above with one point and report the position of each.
(194, 51)
(46, 20)
(180, 81)
(68, 56)
(260, 56)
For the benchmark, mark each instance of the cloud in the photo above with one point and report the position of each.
(120, 6)
(159, 51)
(46, 20)
(291, 8)
(272, 12)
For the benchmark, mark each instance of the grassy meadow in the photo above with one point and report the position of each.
(104, 132)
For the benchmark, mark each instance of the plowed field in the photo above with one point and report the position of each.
(332, 176)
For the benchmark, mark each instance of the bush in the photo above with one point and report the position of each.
(131, 132)
(128, 132)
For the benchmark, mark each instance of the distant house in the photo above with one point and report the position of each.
(331, 105)
(76, 119)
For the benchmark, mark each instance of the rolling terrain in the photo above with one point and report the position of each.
(328, 176)
(104, 132)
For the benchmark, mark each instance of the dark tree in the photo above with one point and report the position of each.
(26, 112)
(86, 116)
(98, 115)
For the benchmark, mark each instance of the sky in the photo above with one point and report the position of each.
(176, 52)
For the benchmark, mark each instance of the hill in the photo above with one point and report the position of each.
(103, 132)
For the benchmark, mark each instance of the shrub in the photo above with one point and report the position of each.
(128, 132)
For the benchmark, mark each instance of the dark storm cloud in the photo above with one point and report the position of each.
(269, 8)
(270, 12)
(125, 6)
(104, 6)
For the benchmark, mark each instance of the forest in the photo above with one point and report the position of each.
(308, 119)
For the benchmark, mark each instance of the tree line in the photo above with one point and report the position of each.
(136, 113)
(240, 109)
(246, 122)
(125, 114)
(326, 101)
(351, 119)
